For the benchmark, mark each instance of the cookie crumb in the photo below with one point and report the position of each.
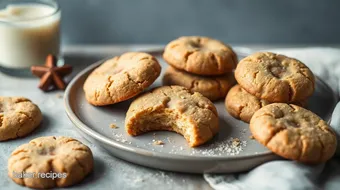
(60, 95)
(158, 142)
(113, 126)
(251, 137)
(236, 142)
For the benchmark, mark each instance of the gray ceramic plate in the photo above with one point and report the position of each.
(219, 155)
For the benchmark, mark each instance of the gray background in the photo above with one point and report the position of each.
(233, 21)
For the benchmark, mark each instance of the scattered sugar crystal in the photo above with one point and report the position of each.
(231, 146)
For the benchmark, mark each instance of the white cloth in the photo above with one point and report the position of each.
(290, 175)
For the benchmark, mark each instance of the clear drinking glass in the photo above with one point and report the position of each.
(29, 31)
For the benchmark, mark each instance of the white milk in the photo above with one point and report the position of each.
(28, 33)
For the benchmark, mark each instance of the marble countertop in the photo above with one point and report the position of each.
(109, 172)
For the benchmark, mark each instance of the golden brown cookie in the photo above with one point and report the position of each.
(275, 78)
(65, 159)
(200, 55)
(173, 108)
(121, 78)
(293, 133)
(212, 87)
(242, 105)
(18, 117)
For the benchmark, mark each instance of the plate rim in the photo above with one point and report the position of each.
(136, 150)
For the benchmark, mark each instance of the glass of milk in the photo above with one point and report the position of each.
(29, 31)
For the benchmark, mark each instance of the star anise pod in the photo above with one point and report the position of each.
(50, 74)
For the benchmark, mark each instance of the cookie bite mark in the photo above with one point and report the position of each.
(164, 119)
(173, 108)
(293, 133)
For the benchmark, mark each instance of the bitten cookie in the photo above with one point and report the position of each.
(293, 133)
(173, 108)
(121, 78)
(67, 159)
(18, 117)
(275, 78)
(242, 105)
(212, 87)
(200, 55)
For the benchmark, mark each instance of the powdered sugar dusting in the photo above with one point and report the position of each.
(120, 138)
(227, 147)
(230, 147)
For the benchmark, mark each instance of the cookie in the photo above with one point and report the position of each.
(242, 105)
(293, 133)
(65, 159)
(275, 78)
(200, 55)
(121, 78)
(173, 108)
(212, 87)
(18, 117)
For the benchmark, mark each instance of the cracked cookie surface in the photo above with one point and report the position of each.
(18, 117)
(121, 78)
(65, 156)
(212, 87)
(293, 133)
(173, 108)
(200, 55)
(242, 105)
(275, 78)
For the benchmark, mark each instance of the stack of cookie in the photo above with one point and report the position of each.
(265, 78)
(200, 64)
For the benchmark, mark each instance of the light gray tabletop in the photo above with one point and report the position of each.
(109, 172)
